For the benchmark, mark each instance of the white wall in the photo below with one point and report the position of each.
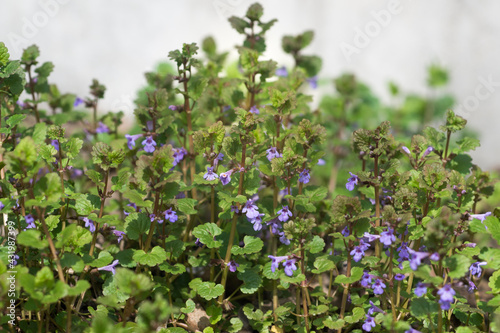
(116, 41)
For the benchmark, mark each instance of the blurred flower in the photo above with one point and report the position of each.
(399, 277)
(30, 220)
(351, 182)
(434, 256)
(345, 232)
(275, 263)
(284, 214)
(281, 72)
(420, 289)
(257, 222)
(233, 266)
(406, 150)
(89, 224)
(250, 209)
(173, 107)
(283, 239)
(179, 154)
(225, 177)
(366, 279)
(170, 215)
(304, 176)
(109, 268)
(446, 296)
(369, 323)
(119, 234)
(131, 140)
(102, 128)
(210, 174)
(387, 237)
(313, 82)
(357, 253)
(378, 287)
(290, 266)
(416, 258)
(475, 268)
(149, 144)
(55, 144)
(78, 101)
(428, 151)
(254, 110)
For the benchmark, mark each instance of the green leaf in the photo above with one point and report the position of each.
(251, 281)
(357, 315)
(316, 193)
(316, 245)
(136, 224)
(356, 274)
(186, 205)
(45, 69)
(207, 233)
(190, 306)
(83, 206)
(493, 227)
(494, 282)
(137, 198)
(236, 325)
(72, 147)
(15, 119)
(79, 288)
(207, 290)
(72, 260)
(176, 269)
(153, 258)
(215, 313)
(458, 265)
(323, 264)
(421, 307)
(252, 245)
(332, 324)
(32, 238)
(105, 258)
(4, 54)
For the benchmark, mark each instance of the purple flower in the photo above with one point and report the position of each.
(232, 266)
(313, 82)
(345, 232)
(357, 253)
(14, 259)
(275, 225)
(403, 252)
(351, 182)
(131, 140)
(399, 277)
(416, 258)
(170, 215)
(473, 245)
(284, 214)
(273, 153)
(250, 210)
(210, 174)
(225, 177)
(480, 217)
(371, 237)
(446, 296)
(282, 72)
(434, 256)
(374, 308)
(472, 286)
(30, 220)
(412, 330)
(369, 323)
(366, 279)
(420, 289)
(276, 261)
(378, 287)
(198, 243)
(102, 128)
(109, 268)
(133, 205)
(178, 155)
(475, 268)
(406, 150)
(364, 246)
(321, 162)
(118, 234)
(1, 205)
(387, 237)
(304, 176)
(55, 144)
(234, 209)
(218, 159)
(257, 222)
(254, 110)
(78, 101)
(283, 239)
(428, 151)
(173, 107)
(89, 224)
(149, 144)
(290, 266)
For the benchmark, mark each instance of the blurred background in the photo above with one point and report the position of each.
(116, 41)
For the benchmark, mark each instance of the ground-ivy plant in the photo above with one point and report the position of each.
(232, 205)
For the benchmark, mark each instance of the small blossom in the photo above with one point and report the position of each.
(133, 205)
(89, 224)
(345, 232)
(399, 277)
(149, 144)
(102, 128)
(225, 177)
(313, 82)
(198, 243)
(304, 176)
(131, 140)
(273, 153)
(480, 217)
(290, 266)
(275, 263)
(351, 182)
(30, 220)
(369, 323)
(374, 308)
(366, 279)
(475, 268)
(416, 258)
(210, 174)
(406, 150)
(472, 286)
(378, 287)
(275, 225)
(284, 214)
(233, 265)
(218, 159)
(257, 222)
(357, 253)
(371, 237)
(170, 215)
(412, 330)
(434, 256)
(119, 234)
(446, 296)
(281, 72)
(173, 107)
(387, 237)
(15, 259)
(364, 246)
(283, 239)
(234, 209)
(420, 289)
(78, 101)
(1, 205)
(55, 144)
(403, 252)
(250, 209)
(109, 268)
(179, 155)
(473, 245)
(254, 110)
(321, 162)
(428, 151)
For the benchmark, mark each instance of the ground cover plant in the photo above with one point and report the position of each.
(233, 206)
